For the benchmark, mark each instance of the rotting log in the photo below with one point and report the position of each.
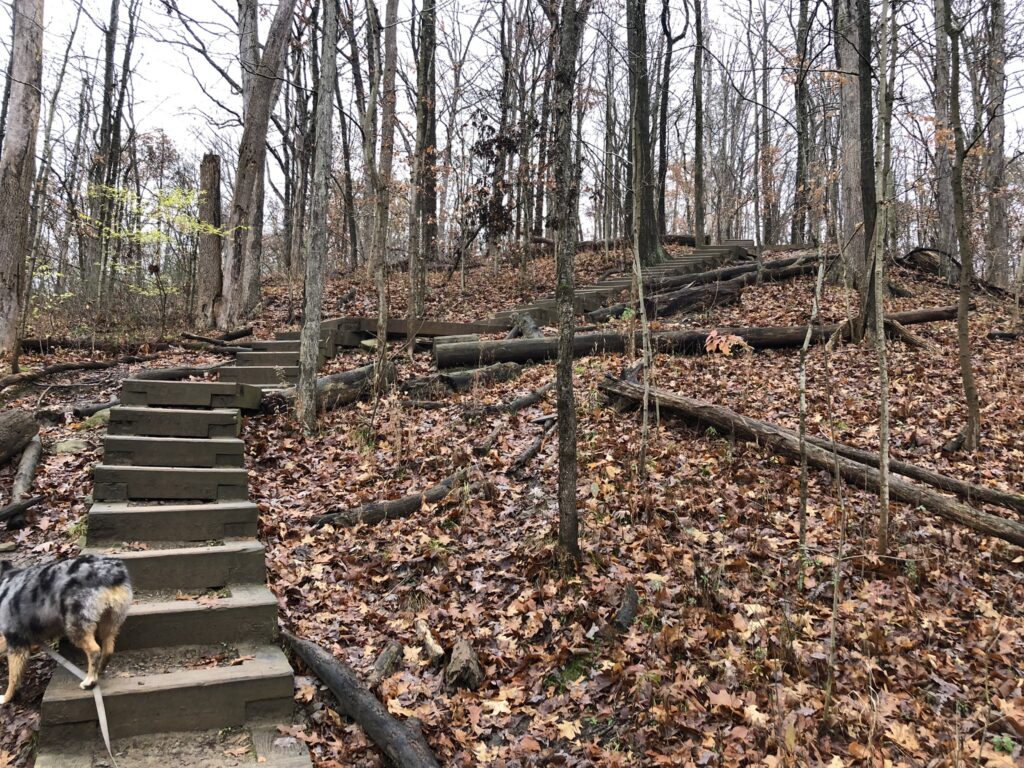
(402, 743)
(464, 670)
(673, 342)
(375, 512)
(17, 428)
(518, 467)
(1005, 335)
(787, 442)
(239, 333)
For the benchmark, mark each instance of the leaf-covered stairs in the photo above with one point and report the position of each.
(197, 678)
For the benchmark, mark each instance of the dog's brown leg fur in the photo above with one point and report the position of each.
(16, 660)
(3, 645)
(86, 641)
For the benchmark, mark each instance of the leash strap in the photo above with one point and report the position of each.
(101, 711)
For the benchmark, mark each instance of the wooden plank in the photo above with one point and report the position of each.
(137, 451)
(281, 376)
(188, 394)
(399, 327)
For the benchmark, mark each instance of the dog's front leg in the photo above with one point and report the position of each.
(16, 660)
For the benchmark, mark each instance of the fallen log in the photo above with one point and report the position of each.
(333, 391)
(690, 299)
(514, 406)
(674, 342)
(1005, 335)
(89, 409)
(518, 467)
(18, 508)
(24, 475)
(661, 283)
(969, 492)
(175, 374)
(787, 441)
(402, 743)
(375, 512)
(524, 326)
(85, 365)
(17, 428)
(240, 333)
(205, 339)
(26, 469)
(439, 384)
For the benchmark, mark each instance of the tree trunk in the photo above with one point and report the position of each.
(800, 97)
(698, 124)
(316, 238)
(17, 162)
(997, 231)
(566, 202)
(252, 151)
(945, 238)
(645, 223)
(208, 276)
(423, 241)
(972, 427)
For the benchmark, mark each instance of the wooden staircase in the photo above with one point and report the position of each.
(197, 678)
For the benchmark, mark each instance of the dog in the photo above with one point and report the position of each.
(85, 599)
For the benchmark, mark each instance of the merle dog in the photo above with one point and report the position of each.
(86, 599)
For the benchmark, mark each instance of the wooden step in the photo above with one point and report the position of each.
(326, 336)
(173, 451)
(174, 422)
(189, 394)
(243, 613)
(286, 376)
(277, 345)
(113, 522)
(127, 483)
(193, 567)
(80, 746)
(264, 359)
(144, 693)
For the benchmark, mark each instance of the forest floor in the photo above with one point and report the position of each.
(729, 659)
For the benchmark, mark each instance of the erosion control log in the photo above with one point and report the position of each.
(787, 442)
(676, 342)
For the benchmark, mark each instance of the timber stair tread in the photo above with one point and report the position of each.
(240, 613)
(258, 743)
(188, 394)
(174, 422)
(189, 452)
(123, 482)
(180, 566)
(163, 689)
(122, 521)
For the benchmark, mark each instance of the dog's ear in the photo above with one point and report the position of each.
(6, 566)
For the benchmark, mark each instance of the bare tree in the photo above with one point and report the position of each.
(17, 162)
(570, 25)
(252, 152)
(208, 277)
(316, 236)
